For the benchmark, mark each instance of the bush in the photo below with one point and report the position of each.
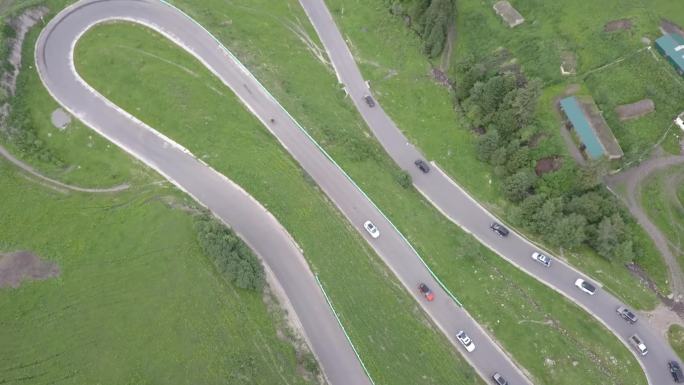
(404, 179)
(232, 258)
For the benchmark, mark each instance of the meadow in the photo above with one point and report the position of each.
(571, 340)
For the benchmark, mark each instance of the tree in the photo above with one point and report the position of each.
(435, 24)
(486, 145)
(568, 231)
(519, 185)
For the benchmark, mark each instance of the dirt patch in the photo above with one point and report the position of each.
(668, 26)
(440, 77)
(634, 110)
(60, 118)
(509, 14)
(22, 266)
(617, 25)
(536, 139)
(568, 63)
(548, 164)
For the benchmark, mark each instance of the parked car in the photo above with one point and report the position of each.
(638, 344)
(372, 230)
(422, 165)
(585, 286)
(465, 341)
(369, 100)
(427, 293)
(541, 258)
(498, 379)
(676, 372)
(499, 229)
(627, 314)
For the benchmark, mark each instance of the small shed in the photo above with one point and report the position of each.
(672, 47)
(509, 14)
(593, 131)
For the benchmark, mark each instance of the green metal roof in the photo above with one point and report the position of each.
(579, 121)
(673, 46)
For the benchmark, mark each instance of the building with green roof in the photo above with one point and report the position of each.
(593, 131)
(672, 47)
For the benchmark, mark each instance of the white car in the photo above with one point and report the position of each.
(638, 344)
(465, 341)
(542, 258)
(372, 230)
(585, 286)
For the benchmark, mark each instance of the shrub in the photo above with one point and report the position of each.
(232, 258)
(404, 179)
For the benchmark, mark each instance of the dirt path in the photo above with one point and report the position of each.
(631, 180)
(446, 55)
(5, 154)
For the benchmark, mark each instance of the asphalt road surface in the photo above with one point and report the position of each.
(457, 205)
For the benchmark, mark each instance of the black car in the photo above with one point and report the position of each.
(422, 165)
(676, 372)
(627, 314)
(369, 100)
(499, 229)
(498, 379)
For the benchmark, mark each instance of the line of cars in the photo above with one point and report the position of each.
(543, 259)
(587, 287)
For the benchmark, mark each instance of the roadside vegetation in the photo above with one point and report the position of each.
(675, 334)
(232, 258)
(136, 300)
(402, 78)
(430, 19)
(553, 339)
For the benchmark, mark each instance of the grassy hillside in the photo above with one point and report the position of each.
(136, 301)
(481, 280)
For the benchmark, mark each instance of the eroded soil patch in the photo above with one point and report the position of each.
(23, 266)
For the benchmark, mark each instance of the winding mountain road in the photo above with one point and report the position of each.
(462, 209)
(54, 59)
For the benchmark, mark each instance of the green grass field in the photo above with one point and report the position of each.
(198, 111)
(136, 301)
(662, 197)
(529, 324)
(390, 57)
(675, 334)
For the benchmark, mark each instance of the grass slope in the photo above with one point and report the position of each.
(675, 334)
(136, 301)
(198, 111)
(533, 326)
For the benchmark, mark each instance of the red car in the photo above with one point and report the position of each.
(427, 293)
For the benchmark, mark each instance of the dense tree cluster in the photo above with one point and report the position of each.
(567, 211)
(233, 259)
(429, 18)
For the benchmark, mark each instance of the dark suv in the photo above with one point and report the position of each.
(676, 372)
(369, 100)
(627, 315)
(422, 165)
(499, 229)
